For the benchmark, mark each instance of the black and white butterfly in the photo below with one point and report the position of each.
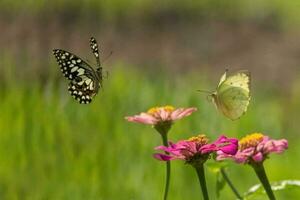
(84, 80)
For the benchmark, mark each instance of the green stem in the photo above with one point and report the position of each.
(234, 190)
(261, 174)
(168, 167)
(201, 176)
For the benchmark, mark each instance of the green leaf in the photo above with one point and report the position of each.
(276, 186)
(215, 167)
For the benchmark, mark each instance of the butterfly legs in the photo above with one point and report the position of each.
(106, 74)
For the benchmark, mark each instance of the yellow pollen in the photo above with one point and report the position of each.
(156, 109)
(200, 139)
(250, 140)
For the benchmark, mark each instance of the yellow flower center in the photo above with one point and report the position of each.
(167, 108)
(251, 140)
(200, 139)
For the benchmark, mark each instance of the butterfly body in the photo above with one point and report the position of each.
(85, 82)
(232, 95)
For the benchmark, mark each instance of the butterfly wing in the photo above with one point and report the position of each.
(84, 84)
(82, 92)
(71, 65)
(233, 95)
(95, 49)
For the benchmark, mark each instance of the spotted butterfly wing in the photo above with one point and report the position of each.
(84, 80)
(232, 96)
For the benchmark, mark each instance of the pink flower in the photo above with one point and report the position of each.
(255, 148)
(160, 115)
(196, 149)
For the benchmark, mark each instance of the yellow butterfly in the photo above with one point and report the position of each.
(232, 95)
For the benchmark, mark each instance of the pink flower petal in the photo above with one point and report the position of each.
(208, 148)
(222, 156)
(240, 159)
(257, 150)
(187, 149)
(182, 112)
(276, 146)
(164, 115)
(258, 157)
(143, 118)
(162, 157)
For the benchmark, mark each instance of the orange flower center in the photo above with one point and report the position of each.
(154, 110)
(251, 140)
(200, 139)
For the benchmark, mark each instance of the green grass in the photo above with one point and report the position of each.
(51, 147)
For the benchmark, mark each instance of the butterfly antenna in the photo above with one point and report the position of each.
(108, 56)
(204, 91)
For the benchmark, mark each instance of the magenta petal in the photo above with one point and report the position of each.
(227, 145)
(229, 149)
(221, 139)
(224, 139)
(164, 148)
(162, 157)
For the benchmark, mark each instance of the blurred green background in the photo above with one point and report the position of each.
(51, 147)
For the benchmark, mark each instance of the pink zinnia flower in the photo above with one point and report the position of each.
(161, 118)
(196, 149)
(161, 114)
(255, 148)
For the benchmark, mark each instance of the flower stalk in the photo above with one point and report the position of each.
(196, 151)
(230, 184)
(162, 118)
(254, 149)
(168, 167)
(201, 177)
(163, 129)
(261, 174)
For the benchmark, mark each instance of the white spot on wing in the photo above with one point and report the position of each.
(91, 86)
(88, 81)
(80, 71)
(74, 69)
